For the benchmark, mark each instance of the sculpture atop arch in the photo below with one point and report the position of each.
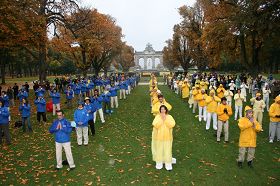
(149, 53)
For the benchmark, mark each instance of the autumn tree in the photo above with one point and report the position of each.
(238, 30)
(126, 57)
(168, 59)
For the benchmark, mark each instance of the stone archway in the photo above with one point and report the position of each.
(148, 53)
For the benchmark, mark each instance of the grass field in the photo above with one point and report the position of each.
(120, 153)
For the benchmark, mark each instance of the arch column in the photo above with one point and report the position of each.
(153, 62)
(145, 62)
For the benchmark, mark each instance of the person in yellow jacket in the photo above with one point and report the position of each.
(204, 84)
(248, 137)
(238, 98)
(211, 105)
(274, 125)
(201, 97)
(161, 101)
(191, 100)
(220, 91)
(180, 83)
(153, 82)
(195, 92)
(228, 94)
(162, 138)
(185, 89)
(153, 93)
(258, 107)
(224, 111)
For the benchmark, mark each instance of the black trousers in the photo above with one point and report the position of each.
(5, 129)
(43, 114)
(92, 128)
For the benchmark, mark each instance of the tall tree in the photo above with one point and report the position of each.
(126, 57)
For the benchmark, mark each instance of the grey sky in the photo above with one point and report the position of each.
(143, 21)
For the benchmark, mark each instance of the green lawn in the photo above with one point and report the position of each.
(120, 152)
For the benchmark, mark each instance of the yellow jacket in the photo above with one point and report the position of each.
(212, 103)
(201, 99)
(248, 133)
(153, 82)
(195, 93)
(204, 85)
(162, 130)
(238, 98)
(220, 92)
(185, 90)
(258, 105)
(220, 112)
(274, 110)
(156, 106)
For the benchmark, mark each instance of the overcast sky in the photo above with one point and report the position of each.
(143, 21)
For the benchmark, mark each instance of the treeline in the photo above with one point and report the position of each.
(225, 35)
(58, 37)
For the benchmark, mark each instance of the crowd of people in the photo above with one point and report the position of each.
(92, 95)
(215, 98)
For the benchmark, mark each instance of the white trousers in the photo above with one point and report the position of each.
(114, 102)
(129, 89)
(266, 101)
(68, 153)
(238, 109)
(229, 103)
(208, 122)
(202, 113)
(55, 108)
(122, 94)
(82, 132)
(100, 111)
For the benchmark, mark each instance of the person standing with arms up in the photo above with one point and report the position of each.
(224, 111)
(162, 139)
(249, 128)
(238, 98)
(274, 125)
(25, 110)
(61, 128)
(4, 123)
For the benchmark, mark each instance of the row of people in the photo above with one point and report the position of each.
(219, 108)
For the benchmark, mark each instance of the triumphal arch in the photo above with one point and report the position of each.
(149, 59)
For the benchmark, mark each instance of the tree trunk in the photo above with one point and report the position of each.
(43, 43)
(3, 69)
(255, 53)
(243, 53)
(84, 58)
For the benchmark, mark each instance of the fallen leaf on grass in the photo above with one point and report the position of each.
(271, 178)
(89, 183)
(23, 181)
(120, 170)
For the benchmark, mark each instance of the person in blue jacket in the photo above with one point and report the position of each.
(61, 128)
(40, 103)
(81, 120)
(69, 96)
(83, 88)
(123, 88)
(90, 110)
(91, 87)
(114, 96)
(25, 110)
(97, 100)
(55, 100)
(22, 94)
(6, 101)
(4, 123)
(40, 91)
(107, 99)
(77, 92)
